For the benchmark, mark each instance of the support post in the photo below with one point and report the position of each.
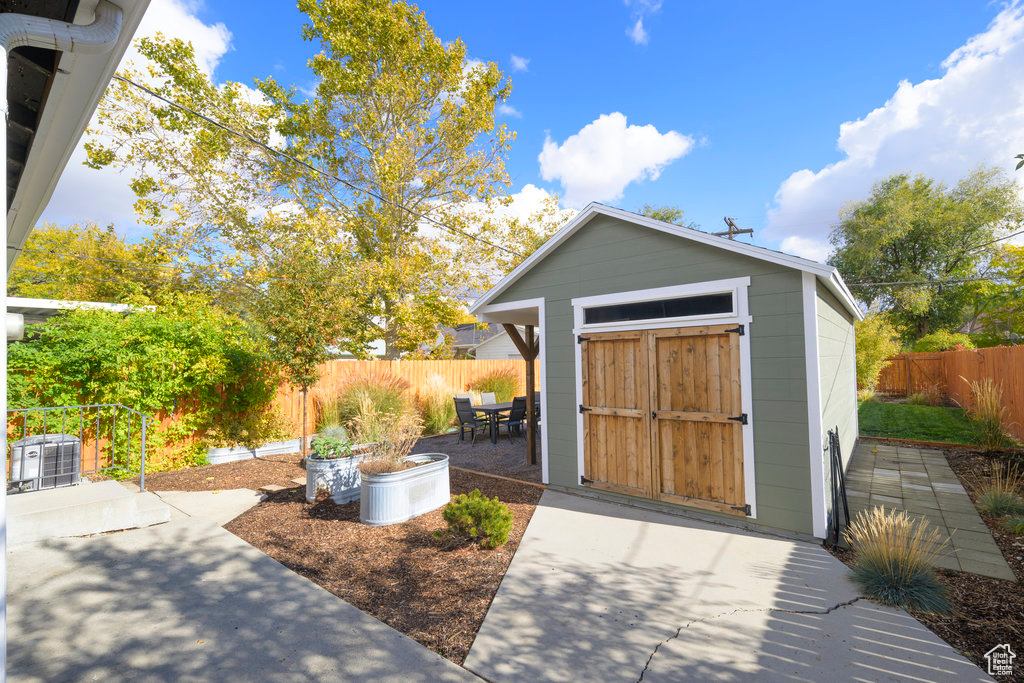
(531, 414)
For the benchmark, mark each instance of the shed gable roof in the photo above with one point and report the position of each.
(829, 275)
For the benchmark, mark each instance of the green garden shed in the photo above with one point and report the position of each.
(684, 371)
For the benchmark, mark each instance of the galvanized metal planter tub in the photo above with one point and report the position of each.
(340, 476)
(396, 497)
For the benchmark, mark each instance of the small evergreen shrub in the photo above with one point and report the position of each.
(943, 341)
(504, 383)
(895, 560)
(485, 520)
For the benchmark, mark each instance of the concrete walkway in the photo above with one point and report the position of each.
(921, 482)
(219, 507)
(188, 600)
(607, 593)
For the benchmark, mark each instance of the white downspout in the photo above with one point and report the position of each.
(19, 30)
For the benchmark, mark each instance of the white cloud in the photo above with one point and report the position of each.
(104, 196)
(520, 63)
(640, 9)
(806, 248)
(597, 163)
(509, 110)
(637, 33)
(943, 127)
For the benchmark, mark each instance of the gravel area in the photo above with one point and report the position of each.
(504, 458)
(436, 591)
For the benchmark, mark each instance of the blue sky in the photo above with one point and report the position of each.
(746, 99)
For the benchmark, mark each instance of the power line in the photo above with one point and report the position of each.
(331, 176)
(924, 282)
(168, 283)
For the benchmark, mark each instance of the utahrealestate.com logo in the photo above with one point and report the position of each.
(1000, 660)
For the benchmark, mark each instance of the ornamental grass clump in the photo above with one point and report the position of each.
(503, 383)
(989, 414)
(476, 517)
(998, 496)
(895, 560)
(1014, 523)
(363, 397)
(436, 405)
(396, 436)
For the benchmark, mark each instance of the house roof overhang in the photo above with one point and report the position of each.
(53, 96)
(485, 309)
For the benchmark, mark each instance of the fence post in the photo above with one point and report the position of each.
(142, 457)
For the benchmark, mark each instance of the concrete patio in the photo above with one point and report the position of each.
(921, 482)
(602, 592)
(188, 600)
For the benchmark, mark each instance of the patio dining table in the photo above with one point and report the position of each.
(492, 410)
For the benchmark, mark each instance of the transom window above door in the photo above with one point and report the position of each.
(698, 306)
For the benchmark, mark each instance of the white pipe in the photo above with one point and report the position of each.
(19, 30)
(22, 30)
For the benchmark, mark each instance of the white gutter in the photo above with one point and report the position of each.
(20, 30)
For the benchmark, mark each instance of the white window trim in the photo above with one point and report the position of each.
(537, 303)
(741, 315)
(815, 431)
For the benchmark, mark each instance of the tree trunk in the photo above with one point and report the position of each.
(305, 390)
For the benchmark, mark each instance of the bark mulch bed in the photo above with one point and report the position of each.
(251, 473)
(986, 611)
(436, 591)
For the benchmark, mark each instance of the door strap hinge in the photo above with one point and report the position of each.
(738, 330)
(654, 414)
(742, 419)
(584, 409)
(745, 509)
(584, 480)
(580, 339)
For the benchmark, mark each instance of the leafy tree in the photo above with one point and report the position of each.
(668, 214)
(185, 350)
(89, 263)
(303, 306)
(409, 122)
(914, 229)
(942, 340)
(999, 317)
(876, 340)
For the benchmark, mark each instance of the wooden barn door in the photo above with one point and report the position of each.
(697, 441)
(616, 422)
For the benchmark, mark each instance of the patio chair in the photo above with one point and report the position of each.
(516, 416)
(489, 397)
(468, 419)
(469, 397)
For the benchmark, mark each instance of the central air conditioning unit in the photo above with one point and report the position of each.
(45, 462)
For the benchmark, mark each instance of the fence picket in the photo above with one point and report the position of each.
(954, 370)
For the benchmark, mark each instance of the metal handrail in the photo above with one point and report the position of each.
(36, 482)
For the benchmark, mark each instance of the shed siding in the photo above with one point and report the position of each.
(610, 255)
(838, 367)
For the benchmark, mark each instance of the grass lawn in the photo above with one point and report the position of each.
(920, 423)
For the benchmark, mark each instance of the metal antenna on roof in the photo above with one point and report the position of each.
(733, 230)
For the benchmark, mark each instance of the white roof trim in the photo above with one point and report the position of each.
(829, 275)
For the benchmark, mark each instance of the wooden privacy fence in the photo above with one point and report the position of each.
(457, 374)
(953, 371)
